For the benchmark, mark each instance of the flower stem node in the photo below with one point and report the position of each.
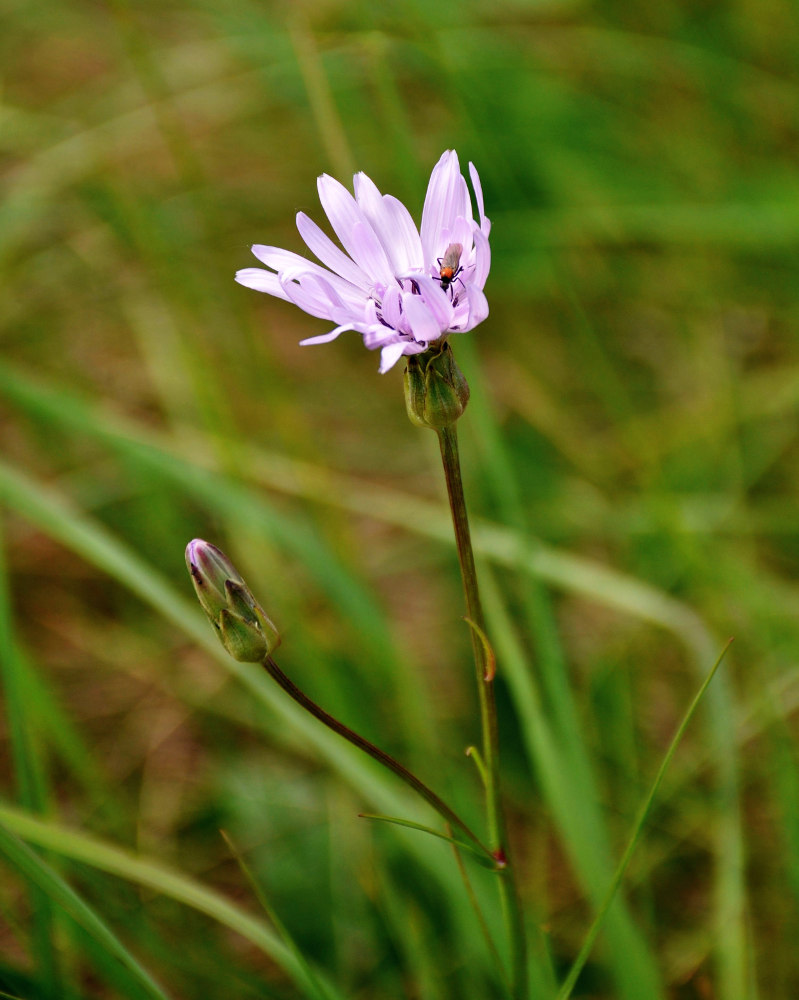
(436, 391)
(243, 626)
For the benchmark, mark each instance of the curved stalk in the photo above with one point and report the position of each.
(375, 752)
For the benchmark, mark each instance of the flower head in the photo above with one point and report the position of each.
(400, 287)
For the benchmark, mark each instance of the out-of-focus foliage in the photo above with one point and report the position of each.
(631, 462)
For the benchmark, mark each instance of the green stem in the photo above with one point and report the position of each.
(484, 668)
(448, 439)
(379, 755)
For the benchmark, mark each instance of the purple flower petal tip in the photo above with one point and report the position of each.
(400, 287)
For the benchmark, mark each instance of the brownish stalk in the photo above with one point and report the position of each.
(375, 752)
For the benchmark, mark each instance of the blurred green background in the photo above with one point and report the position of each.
(631, 466)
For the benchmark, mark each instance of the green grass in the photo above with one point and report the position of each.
(630, 454)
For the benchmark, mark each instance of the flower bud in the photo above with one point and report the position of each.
(241, 623)
(436, 392)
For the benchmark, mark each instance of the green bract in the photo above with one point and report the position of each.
(436, 392)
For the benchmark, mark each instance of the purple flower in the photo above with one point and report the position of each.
(401, 288)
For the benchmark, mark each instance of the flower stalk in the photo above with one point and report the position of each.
(376, 753)
(484, 671)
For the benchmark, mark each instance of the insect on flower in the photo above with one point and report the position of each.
(450, 264)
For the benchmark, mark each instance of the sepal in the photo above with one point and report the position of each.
(436, 390)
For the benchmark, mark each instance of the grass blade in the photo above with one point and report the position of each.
(599, 919)
(146, 872)
(50, 882)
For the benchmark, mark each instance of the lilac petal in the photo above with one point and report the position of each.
(289, 264)
(370, 202)
(292, 266)
(369, 253)
(478, 307)
(326, 250)
(437, 301)
(389, 356)
(370, 313)
(407, 245)
(380, 336)
(309, 298)
(261, 281)
(277, 258)
(353, 229)
(325, 338)
(485, 224)
(286, 260)
(447, 198)
(482, 258)
(392, 223)
(326, 292)
(391, 307)
(422, 322)
(353, 298)
(369, 325)
(462, 233)
(439, 210)
(465, 199)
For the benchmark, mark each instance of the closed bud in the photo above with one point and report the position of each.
(436, 391)
(243, 626)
